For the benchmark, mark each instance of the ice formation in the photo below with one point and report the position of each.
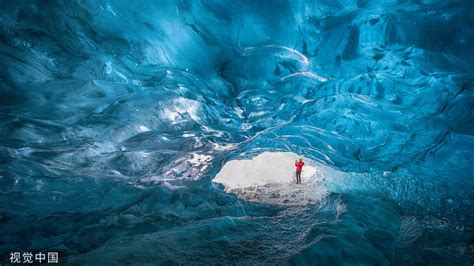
(117, 116)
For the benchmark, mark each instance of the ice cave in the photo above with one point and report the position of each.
(170, 132)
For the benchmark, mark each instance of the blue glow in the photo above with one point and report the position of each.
(117, 115)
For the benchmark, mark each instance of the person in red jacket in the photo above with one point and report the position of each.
(299, 168)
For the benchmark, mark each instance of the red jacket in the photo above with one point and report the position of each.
(299, 166)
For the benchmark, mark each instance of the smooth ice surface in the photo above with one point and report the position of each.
(115, 117)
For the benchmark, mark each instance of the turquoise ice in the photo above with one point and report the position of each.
(117, 115)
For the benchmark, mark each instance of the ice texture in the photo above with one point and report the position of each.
(117, 115)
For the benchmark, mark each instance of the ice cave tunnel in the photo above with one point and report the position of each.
(166, 132)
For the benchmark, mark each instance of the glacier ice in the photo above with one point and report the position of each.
(117, 115)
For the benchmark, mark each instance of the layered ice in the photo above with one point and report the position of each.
(119, 117)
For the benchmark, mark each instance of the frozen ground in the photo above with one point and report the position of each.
(282, 194)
